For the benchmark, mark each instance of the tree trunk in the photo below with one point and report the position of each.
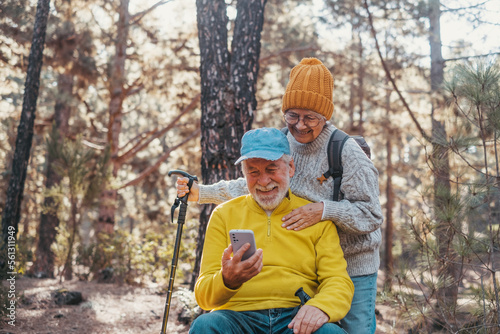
(245, 66)
(44, 263)
(361, 89)
(12, 210)
(389, 206)
(72, 229)
(356, 97)
(389, 224)
(214, 71)
(108, 198)
(440, 161)
(228, 84)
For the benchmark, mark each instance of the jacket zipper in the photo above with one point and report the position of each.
(268, 226)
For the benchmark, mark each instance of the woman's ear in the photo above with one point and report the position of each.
(292, 167)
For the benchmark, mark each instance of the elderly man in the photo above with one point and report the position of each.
(257, 295)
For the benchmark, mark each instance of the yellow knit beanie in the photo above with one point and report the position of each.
(310, 87)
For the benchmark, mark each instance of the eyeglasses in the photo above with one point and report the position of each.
(309, 120)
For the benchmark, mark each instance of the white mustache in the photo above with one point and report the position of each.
(269, 187)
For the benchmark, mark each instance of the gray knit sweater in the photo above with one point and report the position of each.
(358, 216)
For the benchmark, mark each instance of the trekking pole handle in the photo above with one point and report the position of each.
(191, 178)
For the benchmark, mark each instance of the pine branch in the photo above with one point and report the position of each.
(154, 167)
(134, 88)
(139, 138)
(136, 18)
(103, 30)
(390, 78)
(467, 8)
(136, 149)
(470, 57)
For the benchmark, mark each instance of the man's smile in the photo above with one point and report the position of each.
(266, 191)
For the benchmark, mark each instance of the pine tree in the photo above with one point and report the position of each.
(11, 214)
(228, 83)
(72, 49)
(83, 173)
(474, 90)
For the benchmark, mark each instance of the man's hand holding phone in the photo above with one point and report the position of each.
(236, 271)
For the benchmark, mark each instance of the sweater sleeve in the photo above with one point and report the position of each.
(222, 191)
(336, 290)
(210, 290)
(359, 212)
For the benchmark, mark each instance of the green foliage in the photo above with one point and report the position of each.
(484, 308)
(475, 91)
(462, 236)
(116, 252)
(85, 170)
(23, 255)
(61, 246)
(132, 257)
(83, 173)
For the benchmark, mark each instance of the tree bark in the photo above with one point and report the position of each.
(228, 84)
(440, 160)
(245, 64)
(12, 211)
(108, 197)
(44, 261)
(389, 206)
(214, 71)
(352, 82)
(360, 130)
(389, 223)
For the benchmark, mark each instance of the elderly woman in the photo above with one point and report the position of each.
(307, 109)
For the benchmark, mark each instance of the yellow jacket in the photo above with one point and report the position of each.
(311, 258)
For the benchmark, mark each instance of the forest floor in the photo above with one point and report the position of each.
(110, 308)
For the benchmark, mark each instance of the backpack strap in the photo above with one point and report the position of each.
(334, 151)
(335, 146)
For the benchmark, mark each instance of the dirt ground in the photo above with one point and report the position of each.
(111, 309)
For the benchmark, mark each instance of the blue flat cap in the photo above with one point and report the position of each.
(264, 143)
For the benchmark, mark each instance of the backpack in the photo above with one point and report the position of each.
(334, 150)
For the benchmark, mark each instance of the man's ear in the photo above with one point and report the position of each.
(292, 167)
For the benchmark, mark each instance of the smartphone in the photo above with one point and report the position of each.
(241, 237)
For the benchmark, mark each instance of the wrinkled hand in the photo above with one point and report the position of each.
(308, 320)
(236, 272)
(183, 189)
(303, 217)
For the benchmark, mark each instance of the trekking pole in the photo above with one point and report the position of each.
(180, 222)
(304, 297)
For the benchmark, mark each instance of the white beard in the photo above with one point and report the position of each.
(270, 202)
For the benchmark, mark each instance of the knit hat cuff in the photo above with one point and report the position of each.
(307, 100)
